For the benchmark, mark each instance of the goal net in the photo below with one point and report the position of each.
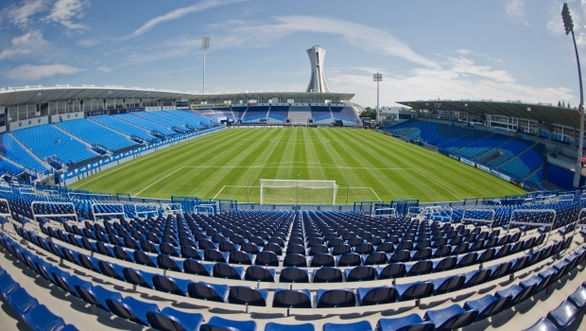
(298, 191)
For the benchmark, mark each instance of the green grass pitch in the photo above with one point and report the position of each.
(366, 165)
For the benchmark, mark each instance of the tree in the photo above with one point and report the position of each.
(368, 113)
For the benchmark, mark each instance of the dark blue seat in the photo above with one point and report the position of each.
(214, 255)
(415, 290)
(267, 258)
(98, 296)
(420, 268)
(138, 277)
(166, 262)
(172, 319)
(376, 295)
(224, 270)
(122, 254)
(543, 324)
(578, 298)
(393, 270)
(239, 257)
(412, 322)
(293, 275)
(272, 326)
(487, 305)
(20, 301)
(111, 270)
(7, 285)
(141, 257)
(519, 263)
(356, 326)
(500, 270)
(349, 259)
(218, 323)
(194, 267)
(292, 299)
(335, 298)
(205, 291)
(448, 284)
(247, 295)
(486, 255)
(171, 285)
(40, 318)
(376, 258)
(466, 260)
(190, 252)
(402, 255)
(564, 315)
(360, 273)
(294, 260)
(444, 264)
(258, 273)
(327, 275)
(322, 260)
(535, 283)
(476, 277)
(515, 293)
(442, 251)
(132, 309)
(451, 317)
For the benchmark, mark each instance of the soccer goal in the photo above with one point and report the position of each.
(298, 191)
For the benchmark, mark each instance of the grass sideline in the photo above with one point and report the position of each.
(365, 164)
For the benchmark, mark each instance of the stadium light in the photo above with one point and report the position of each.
(569, 27)
(205, 45)
(378, 77)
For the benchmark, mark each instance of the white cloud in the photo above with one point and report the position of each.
(178, 13)
(578, 12)
(65, 12)
(31, 72)
(359, 35)
(24, 44)
(22, 15)
(516, 10)
(459, 78)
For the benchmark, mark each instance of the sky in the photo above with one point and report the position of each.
(501, 50)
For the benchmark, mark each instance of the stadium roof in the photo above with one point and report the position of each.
(540, 112)
(46, 94)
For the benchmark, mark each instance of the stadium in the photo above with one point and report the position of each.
(134, 208)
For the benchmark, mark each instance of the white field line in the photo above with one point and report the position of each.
(438, 184)
(339, 189)
(293, 166)
(220, 191)
(157, 181)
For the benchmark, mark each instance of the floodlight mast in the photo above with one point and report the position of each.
(569, 27)
(205, 45)
(378, 77)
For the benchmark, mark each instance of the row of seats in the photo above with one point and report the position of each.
(27, 308)
(293, 298)
(144, 313)
(565, 315)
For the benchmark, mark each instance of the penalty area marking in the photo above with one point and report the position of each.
(157, 181)
(339, 189)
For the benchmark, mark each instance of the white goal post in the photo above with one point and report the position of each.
(296, 191)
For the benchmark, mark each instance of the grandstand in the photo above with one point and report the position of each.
(73, 258)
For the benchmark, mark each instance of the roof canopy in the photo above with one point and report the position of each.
(539, 112)
(44, 94)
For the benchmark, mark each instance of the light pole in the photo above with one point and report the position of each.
(378, 77)
(569, 26)
(205, 45)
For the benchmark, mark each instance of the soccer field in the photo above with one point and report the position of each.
(366, 165)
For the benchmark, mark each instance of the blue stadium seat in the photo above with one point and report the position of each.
(451, 317)
(360, 273)
(20, 301)
(40, 318)
(98, 296)
(204, 291)
(335, 298)
(447, 284)
(257, 273)
(393, 270)
(356, 326)
(543, 324)
(224, 270)
(412, 322)
(171, 285)
(172, 319)
(414, 290)
(219, 323)
(376, 295)
(247, 295)
(137, 277)
(292, 299)
(564, 315)
(272, 326)
(327, 275)
(487, 305)
(132, 309)
(192, 266)
(293, 275)
(578, 298)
